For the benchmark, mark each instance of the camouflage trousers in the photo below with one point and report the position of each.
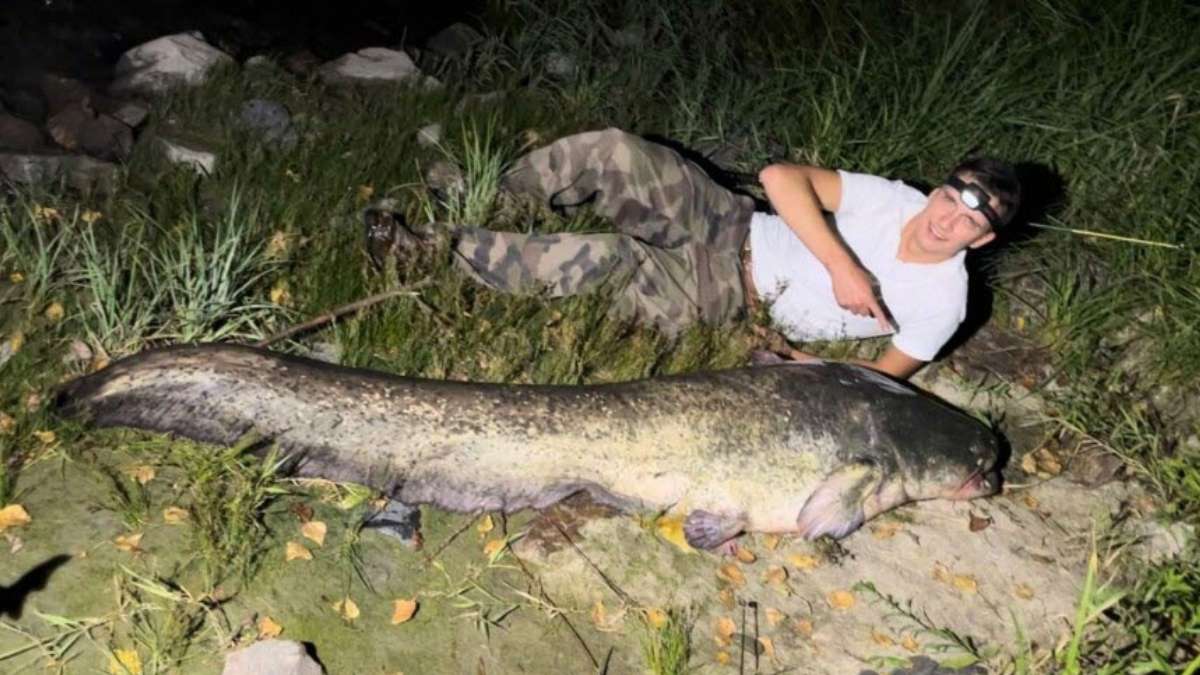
(673, 259)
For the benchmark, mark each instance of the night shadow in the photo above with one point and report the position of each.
(1043, 193)
(12, 598)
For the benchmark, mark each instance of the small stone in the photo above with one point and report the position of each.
(86, 174)
(80, 128)
(271, 657)
(259, 61)
(270, 120)
(454, 40)
(155, 67)
(31, 168)
(429, 135)
(129, 113)
(371, 65)
(18, 135)
(559, 64)
(445, 178)
(200, 160)
(1095, 469)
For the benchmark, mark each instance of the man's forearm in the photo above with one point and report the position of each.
(791, 193)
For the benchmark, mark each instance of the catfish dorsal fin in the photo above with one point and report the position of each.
(835, 508)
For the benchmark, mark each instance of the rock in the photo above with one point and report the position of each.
(77, 352)
(454, 40)
(259, 61)
(559, 64)
(429, 135)
(31, 168)
(86, 174)
(270, 120)
(26, 104)
(18, 135)
(63, 92)
(397, 520)
(1094, 468)
(272, 657)
(80, 128)
(1159, 542)
(160, 65)
(302, 63)
(126, 112)
(199, 159)
(329, 352)
(371, 65)
(445, 178)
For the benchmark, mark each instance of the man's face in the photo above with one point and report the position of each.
(946, 225)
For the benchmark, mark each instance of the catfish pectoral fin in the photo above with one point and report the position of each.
(835, 508)
(706, 530)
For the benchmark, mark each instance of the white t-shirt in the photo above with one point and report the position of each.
(927, 302)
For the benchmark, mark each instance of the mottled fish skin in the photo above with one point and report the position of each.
(811, 448)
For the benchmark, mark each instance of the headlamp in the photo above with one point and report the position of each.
(975, 198)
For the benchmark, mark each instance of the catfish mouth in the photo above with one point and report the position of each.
(980, 483)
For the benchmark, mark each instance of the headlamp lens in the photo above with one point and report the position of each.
(974, 197)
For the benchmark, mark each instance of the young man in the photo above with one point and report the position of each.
(686, 249)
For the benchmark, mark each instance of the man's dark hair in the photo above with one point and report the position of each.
(998, 178)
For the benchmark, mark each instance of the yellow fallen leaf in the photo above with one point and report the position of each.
(724, 631)
(1030, 501)
(267, 628)
(771, 541)
(278, 245)
(16, 278)
(776, 574)
(966, 583)
(485, 525)
(46, 437)
(670, 528)
(803, 627)
(314, 530)
(726, 598)
(882, 639)
(346, 608)
(403, 610)
(130, 543)
(125, 662)
(33, 401)
(656, 618)
(494, 547)
(142, 473)
(745, 555)
(730, 572)
(804, 561)
(599, 613)
(723, 657)
(13, 515)
(297, 551)
(910, 643)
(940, 573)
(774, 616)
(98, 363)
(365, 192)
(90, 217)
(174, 515)
(1022, 591)
(46, 213)
(54, 312)
(1029, 463)
(7, 423)
(841, 599)
(885, 530)
(280, 295)
(768, 646)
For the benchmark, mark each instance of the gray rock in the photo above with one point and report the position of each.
(128, 113)
(454, 40)
(328, 352)
(270, 120)
(371, 65)
(32, 168)
(259, 61)
(198, 158)
(80, 128)
(559, 64)
(18, 135)
(86, 174)
(302, 63)
(429, 135)
(63, 92)
(157, 66)
(445, 178)
(1094, 468)
(272, 657)
(26, 104)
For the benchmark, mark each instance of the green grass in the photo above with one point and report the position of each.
(1101, 95)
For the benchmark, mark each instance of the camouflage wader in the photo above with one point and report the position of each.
(674, 258)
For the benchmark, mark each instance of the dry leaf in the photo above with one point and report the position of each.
(365, 192)
(803, 627)
(297, 551)
(485, 525)
(125, 662)
(730, 572)
(54, 312)
(771, 541)
(15, 543)
(1029, 463)
(33, 401)
(656, 618)
(278, 245)
(346, 608)
(16, 278)
(768, 646)
(174, 515)
(776, 574)
(1023, 591)
(7, 423)
(882, 639)
(280, 295)
(599, 614)
(1030, 501)
(130, 543)
(493, 547)
(267, 628)
(13, 515)
(725, 597)
(774, 616)
(978, 524)
(302, 511)
(723, 658)
(841, 599)
(804, 561)
(403, 610)
(670, 527)
(724, 631)
(966, 583)
(46, 437)
(940, 573)
(90, 217)
(745, 555)
(142, 473)
(910, 643)
(314, 530)
(885, 530)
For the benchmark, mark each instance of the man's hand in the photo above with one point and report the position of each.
(854, 291)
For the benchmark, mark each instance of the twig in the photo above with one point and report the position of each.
(608, 582)
(409, 290)
(562, 615)
(1105, 235)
